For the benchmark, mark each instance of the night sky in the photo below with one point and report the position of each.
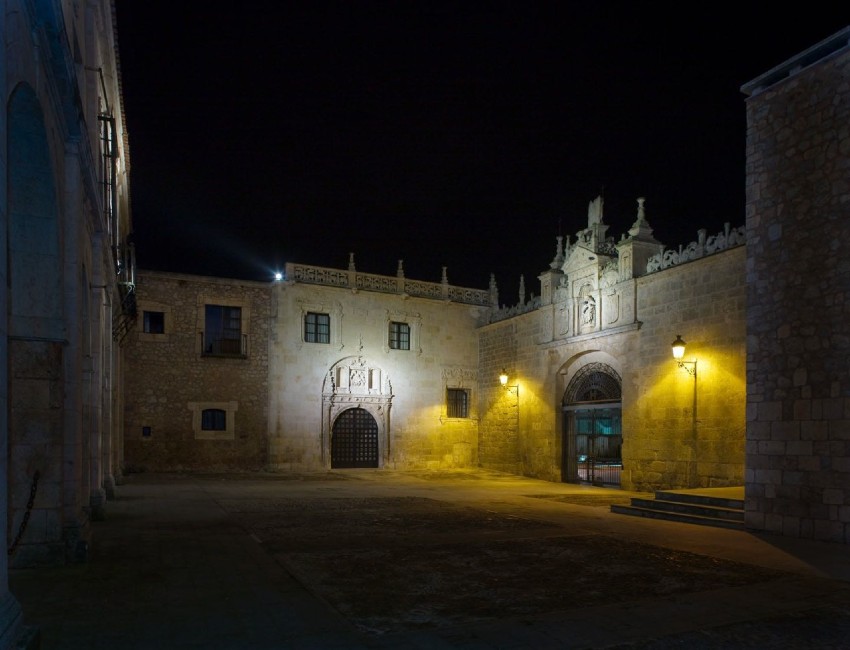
(460, 134)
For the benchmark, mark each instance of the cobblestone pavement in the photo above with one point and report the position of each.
(465, 559)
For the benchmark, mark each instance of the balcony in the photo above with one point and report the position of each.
(215, 346)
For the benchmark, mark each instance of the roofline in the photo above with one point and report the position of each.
(831, 46)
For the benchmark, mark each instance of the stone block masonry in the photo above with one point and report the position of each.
(798, 352)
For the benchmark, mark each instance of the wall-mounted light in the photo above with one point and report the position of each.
(503, 380)
(679, 352)
(278, 276)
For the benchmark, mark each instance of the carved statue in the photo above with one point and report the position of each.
(588, 311)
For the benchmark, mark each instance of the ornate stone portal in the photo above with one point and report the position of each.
(353, 382)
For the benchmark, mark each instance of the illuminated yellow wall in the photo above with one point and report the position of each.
(665, 442)
(686, 431)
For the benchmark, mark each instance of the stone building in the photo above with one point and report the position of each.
(579, 383)
(334, 368)
(798, 291)
(327, 368)
(66, 280)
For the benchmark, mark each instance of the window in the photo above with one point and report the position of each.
(213, 420)
(154, 322)
(457, 403)
(399, 336)
(223, 330)
(317, 327)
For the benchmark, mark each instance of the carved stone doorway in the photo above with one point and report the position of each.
(355, 384)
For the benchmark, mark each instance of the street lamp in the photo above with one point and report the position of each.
(679, 352)
(503, 380)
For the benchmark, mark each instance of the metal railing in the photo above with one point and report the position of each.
(224, 347)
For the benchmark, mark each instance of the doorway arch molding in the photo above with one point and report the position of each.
(355, 382)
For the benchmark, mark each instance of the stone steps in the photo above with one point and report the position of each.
(688, 507)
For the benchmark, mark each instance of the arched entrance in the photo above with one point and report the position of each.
(593, 437)
(354, 440)
(356, 401)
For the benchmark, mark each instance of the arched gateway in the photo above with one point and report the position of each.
(593, 436)
(356, 400)
(354, 440)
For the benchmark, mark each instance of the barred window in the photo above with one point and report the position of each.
(317, 328)
(457, 403)
(213, 420)
(399, 336)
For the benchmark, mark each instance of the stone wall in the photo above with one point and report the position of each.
(170, 378)
(67, 267)
(798, 353)
(405, 391)
(683, 430)
(678, 430)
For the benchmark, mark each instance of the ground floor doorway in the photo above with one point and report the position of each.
(354, 440)
(592, 431)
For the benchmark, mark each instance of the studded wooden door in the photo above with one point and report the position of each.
(354, 440)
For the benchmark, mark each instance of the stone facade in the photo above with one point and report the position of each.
(617, 308)
(798, 353)
(404, 390)
(176, 370)
(67, 280)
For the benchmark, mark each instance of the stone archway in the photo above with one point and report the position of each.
(356, 383)
(354, 440)
(592, 432)
(36, 334)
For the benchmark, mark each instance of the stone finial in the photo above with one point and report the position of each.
(445, 279)
(559, 254)
(640, 228)
(595, 211)
(494, 291)
(351, 262)
(400, 271)
(521, 289)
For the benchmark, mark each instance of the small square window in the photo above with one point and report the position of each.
(154, 322)
(399, 336)
(213, 420)
(317, 328)
(457, 403)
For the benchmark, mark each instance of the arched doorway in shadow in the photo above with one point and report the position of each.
(38, 456)
(354, 440)
(593, 436)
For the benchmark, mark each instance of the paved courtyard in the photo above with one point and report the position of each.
(462, 559)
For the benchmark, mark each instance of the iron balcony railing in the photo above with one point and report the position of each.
(214, 346)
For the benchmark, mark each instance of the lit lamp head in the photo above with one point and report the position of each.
(679, 352)
(503, 377)
(678, 347)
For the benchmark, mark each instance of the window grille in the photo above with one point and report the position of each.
(457, 403)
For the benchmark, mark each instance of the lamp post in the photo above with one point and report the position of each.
(691, 368)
